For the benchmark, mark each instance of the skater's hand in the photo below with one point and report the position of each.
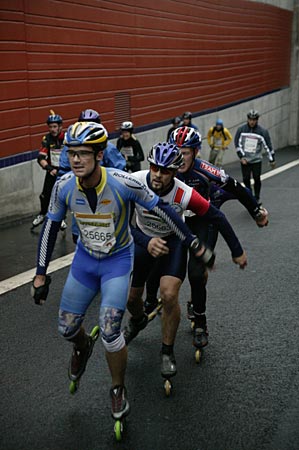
(241, 260)
(272, 164)
(244, 161)
(40, 288)
(157, 247)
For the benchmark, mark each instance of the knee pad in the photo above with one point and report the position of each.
(110, 326)
(69, 323)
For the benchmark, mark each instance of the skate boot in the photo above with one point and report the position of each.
(120, 406)
(168, 365)
(150, 304)
(152, 309)
(63, 225)
(38, 220)
(200, 336)
(79, 360)
(133, 328)
(168, 370)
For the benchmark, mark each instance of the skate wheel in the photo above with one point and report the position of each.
(198, 355)
(167, 387)
(73, 387)
(118, 429)
(95, 332)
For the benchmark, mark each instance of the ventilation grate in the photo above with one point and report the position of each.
(122, 108)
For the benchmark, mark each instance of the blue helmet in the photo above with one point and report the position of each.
(186, 137)
(219, 122)
(166, 155)
(86, 133)
(54, 118)
(89, 115)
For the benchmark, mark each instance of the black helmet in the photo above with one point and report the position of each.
(176, 120)
(187, 115)
(253, 114)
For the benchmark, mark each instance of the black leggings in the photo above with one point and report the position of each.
(255, 169)
(46, 193)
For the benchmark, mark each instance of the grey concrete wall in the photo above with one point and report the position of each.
(274, 110)
(284, 4)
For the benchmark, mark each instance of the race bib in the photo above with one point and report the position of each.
(250, 145)
(218, 142)
(55, 156)
(97, 231)
(127, 151)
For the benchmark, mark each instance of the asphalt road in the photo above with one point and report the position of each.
(242, 396)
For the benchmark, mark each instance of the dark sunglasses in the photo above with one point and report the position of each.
(80, 153)
(163, 170)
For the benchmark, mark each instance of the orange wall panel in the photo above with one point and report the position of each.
(167, 56)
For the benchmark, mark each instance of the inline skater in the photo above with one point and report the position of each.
(156, 247)
(201, 175)
(218, 138)
(111, 158)
(250, 140)
(48, 159)
(129, 146)
(100, 200)
(187, 120)
(175, 123)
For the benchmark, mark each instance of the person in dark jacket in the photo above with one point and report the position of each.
(130, 147)
(48, 159)
(175, 123)
(250, 141)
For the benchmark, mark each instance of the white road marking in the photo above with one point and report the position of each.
(25, 277)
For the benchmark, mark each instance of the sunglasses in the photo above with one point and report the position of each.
(80, 153)
(163, 170)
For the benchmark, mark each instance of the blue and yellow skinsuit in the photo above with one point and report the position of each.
(103, 259)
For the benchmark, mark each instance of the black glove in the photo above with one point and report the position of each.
(49, 168)
(207, 257)
(41, 292)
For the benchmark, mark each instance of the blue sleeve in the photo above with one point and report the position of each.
(64, 164)
(57, 206)
(113, 158)
(213, 173)
(46, 245)
(216, 217)
(139, 237)
(243, 195)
